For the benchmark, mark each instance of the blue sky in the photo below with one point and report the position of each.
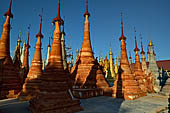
(148, 16)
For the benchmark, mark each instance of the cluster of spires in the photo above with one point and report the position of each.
(55, 68)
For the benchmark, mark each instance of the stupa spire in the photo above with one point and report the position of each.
(5, 36)
(26, 54)
(8, 13)
(144, 66)
(49, 42)
(87, 12)
(150, 42)
(130, 56)
(124, 63)
(19, 39)
(86, 49)
(63, 32)
(122, 34)
(58, 18)
(136, 47)
(39, 33)
(28, 40)
(142, 52)
(137, 59)
(56, 52)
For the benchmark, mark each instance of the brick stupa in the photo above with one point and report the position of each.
(25, 64)
(85, 72)
(148, 77)
(32, 82)
(139, 74)
(55, 95)
(125, 85)
(9, 80)
(26, 56)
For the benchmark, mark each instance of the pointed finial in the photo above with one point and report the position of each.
(142, 52)
(148, 50)
(40, 34)
(87, 12)
(28, 37)
(121, 23)
(58, 18)
(150, 43)
(122, 34)
(105, 56)
(49, 42)
(63, 28)
(19, 37)
(8, 13)
(136, 48)
(130, 57)
(28, 40)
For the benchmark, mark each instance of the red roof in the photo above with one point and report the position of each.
(164, 63)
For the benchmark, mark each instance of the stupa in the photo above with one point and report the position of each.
(32, 82)
(153, 67)
(25, 64)
(17, 53)
(55, 95)
(85, 73)
(139, 74)
(23, 51)
(148, 77)
(125, 85)
(63, 48)
(9, 80)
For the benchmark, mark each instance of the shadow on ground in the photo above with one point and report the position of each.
(102, 105)
(13, 106)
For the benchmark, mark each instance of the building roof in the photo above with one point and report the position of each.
(165, 64)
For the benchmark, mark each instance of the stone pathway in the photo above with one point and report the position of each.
(150, 104)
